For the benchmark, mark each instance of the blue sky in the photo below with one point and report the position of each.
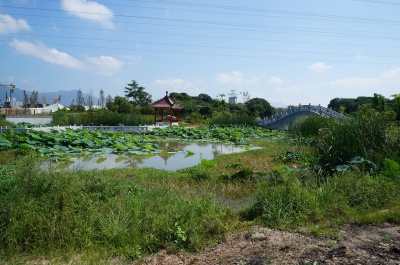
(287, 51)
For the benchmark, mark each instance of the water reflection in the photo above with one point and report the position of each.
(172, 156)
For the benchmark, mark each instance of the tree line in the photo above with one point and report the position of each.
(136, 100)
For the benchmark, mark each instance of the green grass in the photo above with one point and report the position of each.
(120, 215)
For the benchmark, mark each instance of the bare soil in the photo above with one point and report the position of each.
(379, 244)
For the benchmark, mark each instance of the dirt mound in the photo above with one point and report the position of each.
(257, 246)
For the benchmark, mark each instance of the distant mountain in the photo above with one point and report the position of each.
(67, 97)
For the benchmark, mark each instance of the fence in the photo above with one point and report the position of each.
(27, 111)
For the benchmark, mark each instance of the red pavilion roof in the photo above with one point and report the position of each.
(166, 103)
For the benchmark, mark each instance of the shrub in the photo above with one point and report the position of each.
(310, 126)
(366, 134)
(228, 119)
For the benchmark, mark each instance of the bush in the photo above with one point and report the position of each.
(367, 134)
(310, 126)
(228, 119)
(100, 117)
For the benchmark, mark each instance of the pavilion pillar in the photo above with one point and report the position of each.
(155, 116)
(162, 114)
(170, 116)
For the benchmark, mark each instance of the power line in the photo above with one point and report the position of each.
(198, 46)
(219, 54)
(336, 18)
(273, 29)
(377, 2)
(346, 18)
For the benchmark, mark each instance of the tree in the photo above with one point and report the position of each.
(120, 105)
(183, 97)
(204, 98)
(396, 106)
(109, 99)
(101, 97)
(379, 103)
(245, 95)
(259, 107)
(90, 99)
(139, 97)
(79, 98)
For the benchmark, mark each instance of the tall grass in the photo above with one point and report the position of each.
(288, 202)
(310, 126)
(367, 134)
(49, 212)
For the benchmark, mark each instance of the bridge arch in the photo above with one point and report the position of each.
(283, 120)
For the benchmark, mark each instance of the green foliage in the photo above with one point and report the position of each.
(392, 169)
(239, 134)
(349, 105)
(120, 105)
(43, 213)
(310, 126)
(100, 117)
(229, 119)
(285, 201)
(3, 122)
(259, 107)
(366, 134)
(379, 103)
(139, 97)
(364, 192)
(69, 143)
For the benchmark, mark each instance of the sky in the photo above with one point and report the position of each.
(287, 52)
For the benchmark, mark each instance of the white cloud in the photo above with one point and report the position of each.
(177, 85)
(8, 24)
(275, 80)
(104, 64)
(355, 82)
(391, 74)
(236, 78)
(320, 67)
(51, 55)
(90, 10)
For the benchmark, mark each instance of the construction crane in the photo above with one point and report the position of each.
(7, 102)
(11, 85)
(57, 100)
(33, 100)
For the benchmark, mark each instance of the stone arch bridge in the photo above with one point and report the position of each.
(283, 120)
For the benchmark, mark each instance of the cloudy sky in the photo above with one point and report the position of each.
(285, 51)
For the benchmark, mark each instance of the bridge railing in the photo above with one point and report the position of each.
(310, 108)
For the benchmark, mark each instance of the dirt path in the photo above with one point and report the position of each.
(257, 245)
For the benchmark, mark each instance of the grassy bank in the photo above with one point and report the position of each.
(120, 215)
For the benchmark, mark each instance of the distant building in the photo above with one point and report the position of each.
(232, 100)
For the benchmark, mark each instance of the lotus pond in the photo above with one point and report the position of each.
(172, 156)
(82, 149)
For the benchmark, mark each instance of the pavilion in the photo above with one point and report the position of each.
(166, 103)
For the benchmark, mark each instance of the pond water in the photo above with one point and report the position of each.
(183, 155)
